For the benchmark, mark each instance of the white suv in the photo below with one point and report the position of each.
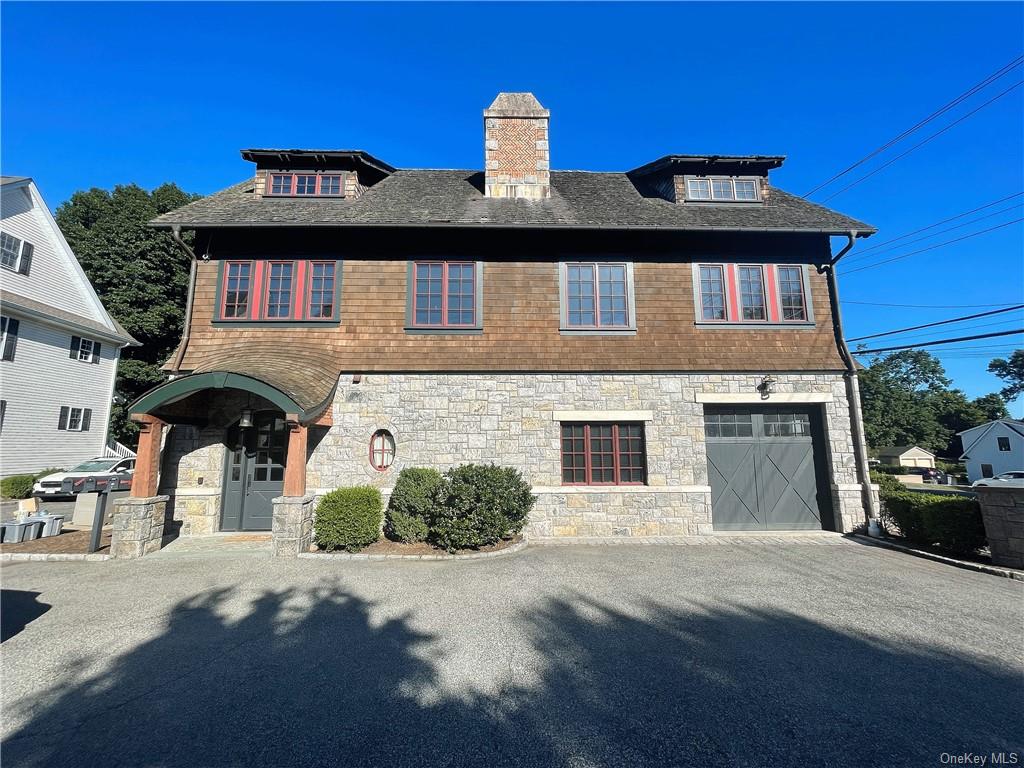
(1012, 479)
(51, 486)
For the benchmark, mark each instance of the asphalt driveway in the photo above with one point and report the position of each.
(734, 655)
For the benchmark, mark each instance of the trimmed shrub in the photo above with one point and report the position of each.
(891, 469)
(952, 523)
(17, 486)
(887, 484)
(348, 518)
(411, 503)
(479, 504)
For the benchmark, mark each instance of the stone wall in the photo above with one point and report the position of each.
(293, 525)
(1002, 510)
(138, 526)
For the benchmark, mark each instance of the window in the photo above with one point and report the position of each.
(15, 254)
(279, 289)
(306, 184)
(8, 337)
(603, 454)
(986, 470)
(791, 293)
(722, 188)
(382, 450)
(85, 350)
(236, 289)
(698, 189)
(444, 294)
(74, 419)
(3, 413)
(321, 289)
(786, 424)
(752, 304)
(728, 424)
(597, 296)
(1004, 443)
(712, 293)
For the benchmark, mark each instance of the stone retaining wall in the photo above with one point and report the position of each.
(138, 526)
(1002, 510)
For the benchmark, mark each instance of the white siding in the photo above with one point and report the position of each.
(52, 279)
(986, 451)
(41, 378)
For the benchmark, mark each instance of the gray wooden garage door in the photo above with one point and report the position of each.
(766, 469)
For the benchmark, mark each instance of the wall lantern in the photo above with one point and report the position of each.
(246, 420)
(767, 387)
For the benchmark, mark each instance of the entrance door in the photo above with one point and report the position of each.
(254, 473)
(765, 471)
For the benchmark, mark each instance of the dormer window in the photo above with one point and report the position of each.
(725, 188)
(306, 185)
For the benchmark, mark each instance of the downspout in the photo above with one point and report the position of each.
(860, 447)
(186, 330)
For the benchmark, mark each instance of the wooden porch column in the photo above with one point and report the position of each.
(147, 460)
(295, 466)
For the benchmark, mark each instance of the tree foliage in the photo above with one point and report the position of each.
(1011, 372)
(141, 277)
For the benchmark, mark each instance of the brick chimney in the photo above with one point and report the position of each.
(516, 156)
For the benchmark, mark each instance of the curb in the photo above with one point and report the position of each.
(992, 570)
(38, 557)
(517, 547)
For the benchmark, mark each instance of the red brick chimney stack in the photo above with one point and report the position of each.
(517, 160)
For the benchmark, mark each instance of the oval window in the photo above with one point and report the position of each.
(382, 450)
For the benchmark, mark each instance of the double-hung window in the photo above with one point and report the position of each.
(791, 293)
(85, 350)
(15, 253)
(712, 292)
(445, 295)
(603, 454)
(751, 293)
(752, 303)
(74, 419)
(597, 296)
(278, 290)
(237, 277)
(321, 289)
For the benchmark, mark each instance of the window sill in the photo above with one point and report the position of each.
(274, 323)
(756, 324)
(571, 331)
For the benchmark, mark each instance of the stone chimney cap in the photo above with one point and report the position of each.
(516, 105)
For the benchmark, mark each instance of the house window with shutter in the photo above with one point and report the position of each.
(74, 419)
(85, 350)
(15, 254)
(8, 337)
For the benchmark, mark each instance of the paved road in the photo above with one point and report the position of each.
(732, 655)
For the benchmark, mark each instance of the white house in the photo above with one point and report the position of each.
(58, 345)
(993, 448)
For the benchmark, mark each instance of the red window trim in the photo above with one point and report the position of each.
(259, 291)
(308, 287)
(597, 293)
(763, 269)
(268, 189)
(224, 290)
(444, 294)
(770, 284)
(616, 458)
(381, 433)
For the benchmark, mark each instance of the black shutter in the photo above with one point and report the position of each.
(26, 258)
(86, 418)
(11, 339)
(96, 347)
(62, 420)
(76, 342)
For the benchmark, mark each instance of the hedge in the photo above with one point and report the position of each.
(411, 503)
(891, 469)
(951, 523)
(479, 505)
(17, 486)
(348, 518)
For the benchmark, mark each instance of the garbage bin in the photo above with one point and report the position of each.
(52, 524)
(33, 528)
(14, 531)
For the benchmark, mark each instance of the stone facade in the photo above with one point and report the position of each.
(138, 526)
(293, 525)
(1002, 510)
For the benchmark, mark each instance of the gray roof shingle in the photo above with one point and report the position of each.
(579, 199)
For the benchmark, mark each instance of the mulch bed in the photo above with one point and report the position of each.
(388, 547)
(69, 542)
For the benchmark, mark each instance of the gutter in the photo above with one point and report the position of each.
(186, 330)
(860, 448)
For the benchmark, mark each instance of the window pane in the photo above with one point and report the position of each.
(10, 247)
(461, 291)
(428, 299)
(752, 293)
(612, 293)
(712, 293)
(321, 290)
(745, 190)
(699, 189)
(279, 292)
(330, 185)
(236, 295)
(305, 185)
(580, 291)
(721, 189)
(791, 291)
(281, 184)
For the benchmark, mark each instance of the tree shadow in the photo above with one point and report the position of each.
(18, 608)
(320, 677)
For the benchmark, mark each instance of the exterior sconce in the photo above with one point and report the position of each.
(767, 387)
(246, 421)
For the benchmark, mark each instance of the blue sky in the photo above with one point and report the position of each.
(102, 94)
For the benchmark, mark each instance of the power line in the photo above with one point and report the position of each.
(920, 144)
(923, 306)
(939, 341)
(938, 113)
(939, 322)
(970, 327)
(932, 247)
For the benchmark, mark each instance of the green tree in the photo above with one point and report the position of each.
(1012, 373)
(140, 274)
(991, 407)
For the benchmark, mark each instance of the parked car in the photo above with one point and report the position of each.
(50, 486)
(1011, 479)
(928, 474)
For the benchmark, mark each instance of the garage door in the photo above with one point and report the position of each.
(766, 469)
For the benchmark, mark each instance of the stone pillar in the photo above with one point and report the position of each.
(292, 531)
(1002, 510)
(295, 464)
(138, 526)
(147, 460)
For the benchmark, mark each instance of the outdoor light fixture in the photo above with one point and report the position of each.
(766, 387)
(246, 420)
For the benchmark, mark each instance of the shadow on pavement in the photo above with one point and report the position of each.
(17, 609)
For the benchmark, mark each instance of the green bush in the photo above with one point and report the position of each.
(410, 504)
(952, 523)
(887, 484)
(348, 518)
(479, 504)
(17, 486)
(891, 469)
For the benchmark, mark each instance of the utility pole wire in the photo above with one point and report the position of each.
(938, 341)
(938, 113)
(923, 306)
(938, 322)
(920, 144)
(932, 247)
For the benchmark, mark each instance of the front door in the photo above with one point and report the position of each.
(766, 469)
(254, 473)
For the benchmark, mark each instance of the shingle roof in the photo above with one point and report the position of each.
(4, 180)
(39, 308)
(578, 199)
